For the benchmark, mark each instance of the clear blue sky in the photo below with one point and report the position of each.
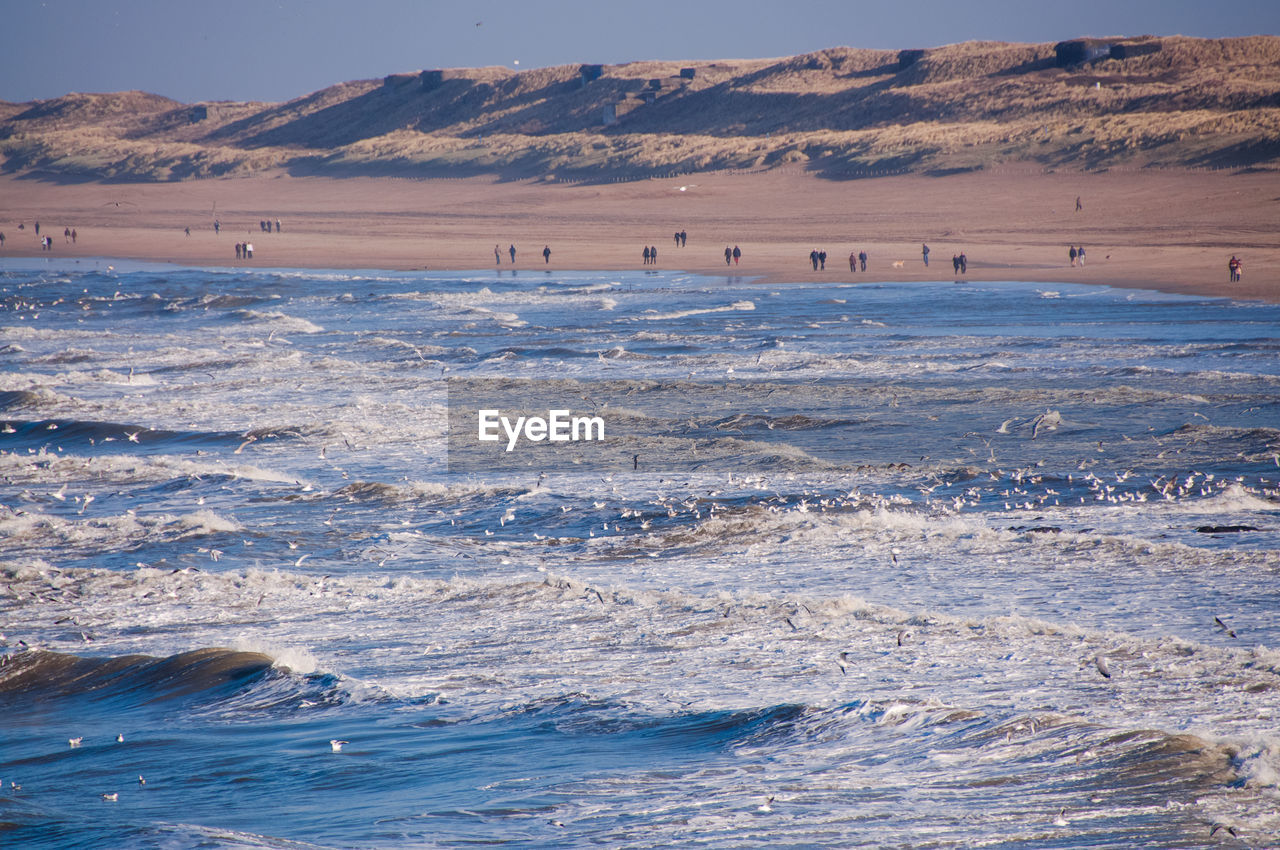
(279, 49)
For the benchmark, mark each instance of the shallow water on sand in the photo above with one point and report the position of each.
(876, 564)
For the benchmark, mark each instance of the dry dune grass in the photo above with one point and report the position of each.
(986, 147)
(841, 112)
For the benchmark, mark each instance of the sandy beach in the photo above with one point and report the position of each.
(1167, 230)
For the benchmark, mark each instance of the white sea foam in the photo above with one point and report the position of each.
(735, 307)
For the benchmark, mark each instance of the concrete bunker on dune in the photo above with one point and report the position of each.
(1078, 51)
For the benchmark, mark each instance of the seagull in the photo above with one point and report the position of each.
(119, 737)
(842, 662)
(1218, 622)
(1218, 826)
(141, 781)
(1061, 819)
(766, 806)
(337, 745)
(1101, 663)
(74, 742)
(111, 798)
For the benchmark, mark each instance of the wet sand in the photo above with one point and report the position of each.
(1167, 230)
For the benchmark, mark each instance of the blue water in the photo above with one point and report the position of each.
(851, 579)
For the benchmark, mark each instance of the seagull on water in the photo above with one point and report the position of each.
(74, 742)
(766, 806)
(337, 745)
(1101, 663)
(111, 798)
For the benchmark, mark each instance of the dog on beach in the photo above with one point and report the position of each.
(897, 264)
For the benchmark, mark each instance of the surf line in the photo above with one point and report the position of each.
(558, 426)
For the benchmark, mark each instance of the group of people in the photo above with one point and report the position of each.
(681, 238)
(244, 250)
(732, 255)
(960, 263)
(857, 259)
(265, 225)
(651, 255)
(1076, 255)
(1234, 265)
(497, 254)
(69, 235)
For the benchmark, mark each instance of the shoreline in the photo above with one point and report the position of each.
(131, 264)
(1165, 231)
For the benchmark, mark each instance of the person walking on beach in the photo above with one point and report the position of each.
(653, 255)
(737, 254)
(1233, 265)
(924, 252)
(73, 236)
(964, 263)
(546, 254)
(728, 255)
(684, 238)
(1080, 255)
(1, 238)
(1079, 206)
(677, 238)
(217, 227)
(1072, 255)
(237, 250)
(66, 234)
(497, 256)
(813, 258)
(248, 250)
(646, 255)
(853, 261)
(37, 228)
(822, 260)
(862, 260)
(512, 251)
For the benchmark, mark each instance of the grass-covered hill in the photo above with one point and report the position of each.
(1082, 104)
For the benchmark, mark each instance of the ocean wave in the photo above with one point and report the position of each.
(277, 321)
(47, 468)
(39, 675)
(34, 531)
(735, 307)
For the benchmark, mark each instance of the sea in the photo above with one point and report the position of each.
(870, 564)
